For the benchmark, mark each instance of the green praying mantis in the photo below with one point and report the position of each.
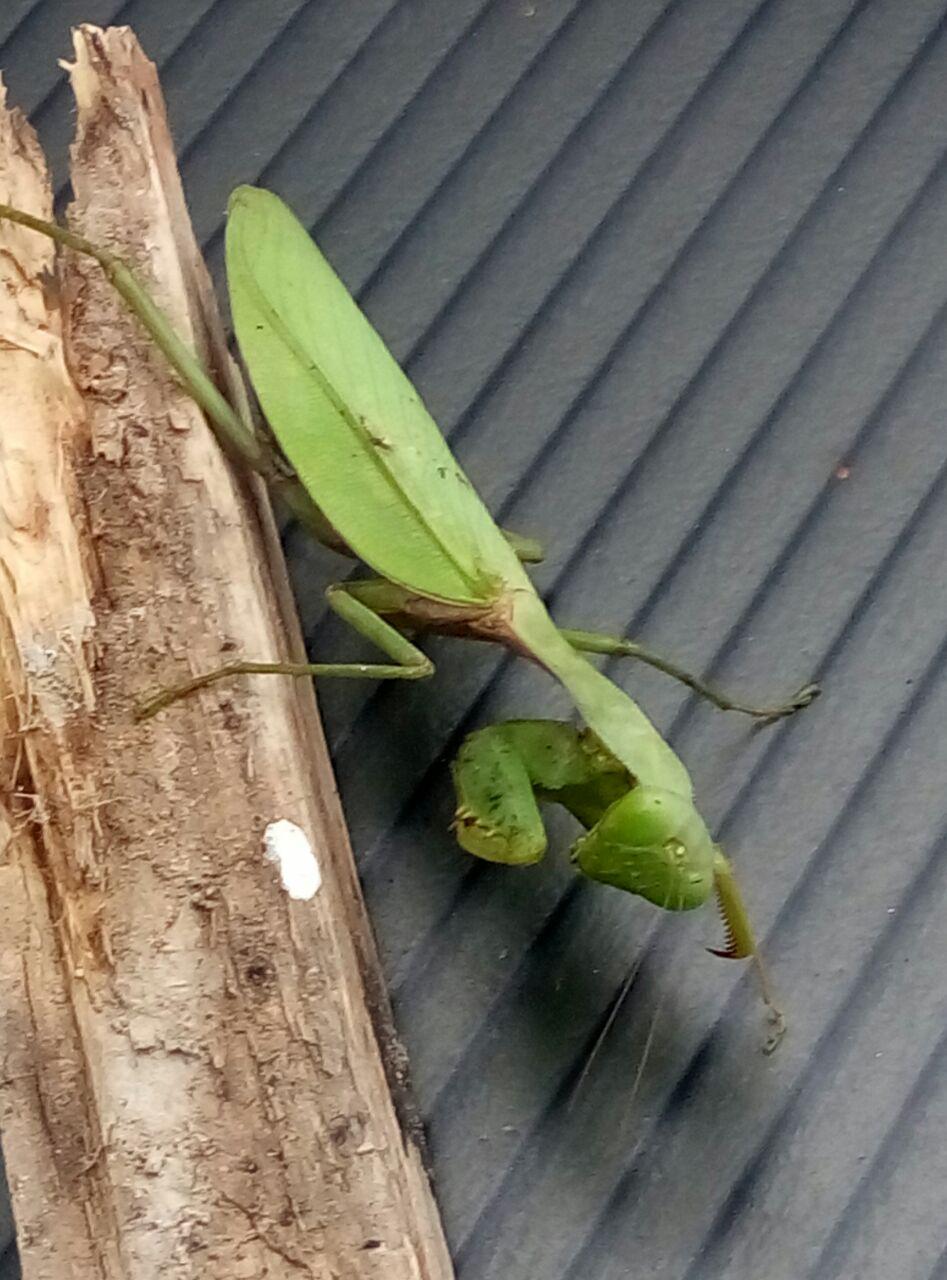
(362, 463)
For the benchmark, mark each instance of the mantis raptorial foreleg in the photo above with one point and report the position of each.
(741, 942)
(503, 771)
(635, 837)
(409, 662)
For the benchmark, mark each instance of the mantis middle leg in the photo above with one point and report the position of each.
(617, 647)
(409, 663)
(389, 600)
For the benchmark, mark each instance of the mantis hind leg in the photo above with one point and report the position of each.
(616, 647)
(409, 663)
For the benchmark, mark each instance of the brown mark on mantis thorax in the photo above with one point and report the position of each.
(490, 621)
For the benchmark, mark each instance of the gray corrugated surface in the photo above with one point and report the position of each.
(658, 269)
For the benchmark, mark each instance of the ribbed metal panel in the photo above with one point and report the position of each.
(672, 277)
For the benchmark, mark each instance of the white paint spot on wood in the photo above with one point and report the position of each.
(288, 846)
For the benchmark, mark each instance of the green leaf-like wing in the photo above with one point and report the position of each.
(349, 420)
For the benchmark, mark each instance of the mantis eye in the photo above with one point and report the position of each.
(676, 852)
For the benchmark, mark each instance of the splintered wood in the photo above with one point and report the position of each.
(190, 1082)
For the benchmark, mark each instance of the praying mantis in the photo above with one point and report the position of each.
(361, 462)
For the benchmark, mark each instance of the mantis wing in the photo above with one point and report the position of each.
(349, 420)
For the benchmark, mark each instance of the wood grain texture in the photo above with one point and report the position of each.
(190, 1081)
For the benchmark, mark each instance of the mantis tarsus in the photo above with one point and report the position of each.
(363, 465)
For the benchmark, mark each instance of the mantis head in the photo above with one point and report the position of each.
(642, 838)
(653, 843)
(645, 839)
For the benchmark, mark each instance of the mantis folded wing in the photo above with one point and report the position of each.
(363, 464)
